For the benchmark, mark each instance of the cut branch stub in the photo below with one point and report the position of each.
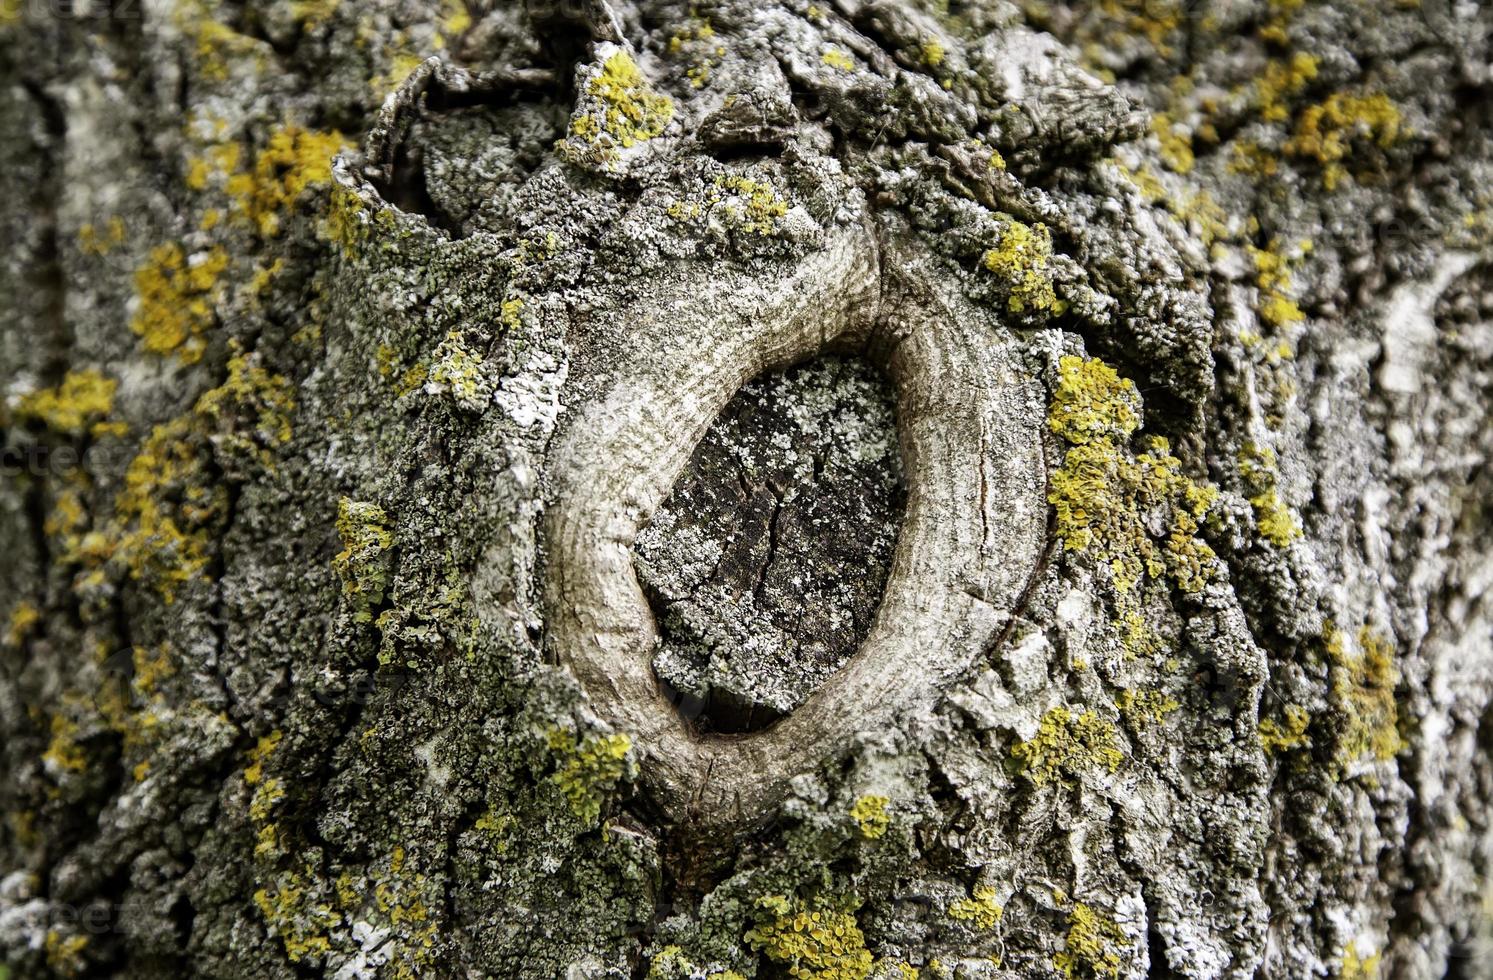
(969, 428)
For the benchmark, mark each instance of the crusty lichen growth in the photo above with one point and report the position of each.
(1290, 733)
(980, 910)
(838, 59)
(1273, 277)
(1144, 707)
(459, 371)
(294, 161)
(1357, 967)
(1095, 946)
(1328, 131)
(1067, 747)
(176, 296)
(624, 111)
(589, 770)
(163, 518)
(870, 816)
(23, 618)
(671, 964)
(1022, 259)
(1363, 686)
(363, 562)
(1107, 498)
(1275, 521)
(76, 406)
(753, 207)
(821, 941)
(1093, 403)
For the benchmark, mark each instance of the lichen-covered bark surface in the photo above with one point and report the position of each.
(298, 326)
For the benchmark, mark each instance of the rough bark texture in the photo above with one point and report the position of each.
(417, 566)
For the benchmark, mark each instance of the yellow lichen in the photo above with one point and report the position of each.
(1280, 80)
(512, 313)
(671, 964)
(979, 910)
(588, 769)
(458, 370)
(818, 942)
(1328, 131)
(697, 39)
(63, 753)
(1095, 946)
(177, 295)
(1277, 737)
(301, 923)
(294, 161)
(251, 391)
(92, 241)
(838, 59)
(752, 205)
(1275, 521)
(1363, 686)
(1065, 747)
(75, 406)
(1356, 967)
(629, 112)
(869, 814)
(1092, 403)
(1143, 707)
(1273, 277)
(1022, 259)
(22, 619)
(65, 953)
(1105, 497)
(1176, 144)
(362, 563)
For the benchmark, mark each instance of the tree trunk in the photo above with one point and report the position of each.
(867, 489)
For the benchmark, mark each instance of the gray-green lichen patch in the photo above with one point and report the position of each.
(766, 563)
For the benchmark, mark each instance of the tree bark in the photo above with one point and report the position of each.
(866, 489)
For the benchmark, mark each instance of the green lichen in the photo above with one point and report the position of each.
(980, 910)
(869, 814)
(1095, 947)
(1066, 747)
(589, 770)
(1021, 258)
(363, 562)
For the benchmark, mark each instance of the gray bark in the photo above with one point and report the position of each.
(841, 490)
